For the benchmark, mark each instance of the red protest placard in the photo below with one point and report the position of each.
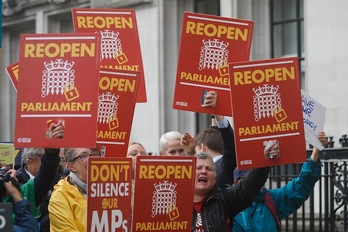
(109, 194)
(12, 72)
(116, 103)
(120, 45)
(163, 199)
(208, 43)
(58, 84)
(266, 103)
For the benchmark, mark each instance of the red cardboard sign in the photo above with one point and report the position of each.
(163, 198)
(120, 45)
(12, 72)
(59, 82)
(116, 103)
(266, 103)
(208, 43)
(109, 194)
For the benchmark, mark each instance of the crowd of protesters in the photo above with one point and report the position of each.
(49, 190)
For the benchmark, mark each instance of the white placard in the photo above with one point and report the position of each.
(313, 119)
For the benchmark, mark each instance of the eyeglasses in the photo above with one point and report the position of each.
(84, 156)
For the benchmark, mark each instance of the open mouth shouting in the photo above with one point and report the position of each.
(203, 179)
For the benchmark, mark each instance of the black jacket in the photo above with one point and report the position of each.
(227, 163)
(222, 205)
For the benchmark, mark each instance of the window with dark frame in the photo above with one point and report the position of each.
(287, 31)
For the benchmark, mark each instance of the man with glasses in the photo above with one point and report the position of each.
(68, 204)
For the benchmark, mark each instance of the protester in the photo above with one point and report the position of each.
(68, 203)
(32, 157)
(217, 141)
(135, 149)
(170, 144)
(24, 220)
(215, 208)
(282, 201)
(31, 161)
(39, 164)
(35, 190)
(210, 141)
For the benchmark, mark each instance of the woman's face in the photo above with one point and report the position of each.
(135, 150)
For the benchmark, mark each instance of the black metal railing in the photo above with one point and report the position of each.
(327, 207)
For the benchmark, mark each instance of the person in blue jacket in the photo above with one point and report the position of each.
(285, 200)
(25, 221)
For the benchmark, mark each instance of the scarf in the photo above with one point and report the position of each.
(79, 184)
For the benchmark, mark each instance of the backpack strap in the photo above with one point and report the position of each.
(271, 206)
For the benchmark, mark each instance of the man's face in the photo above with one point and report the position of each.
(174, 148)
(34, 164)
(205, 177)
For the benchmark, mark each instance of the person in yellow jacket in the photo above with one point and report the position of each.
(68, 203)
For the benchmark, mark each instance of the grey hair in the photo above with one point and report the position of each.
(69, 154)
(203, 156)
(31, 153)
(169, 136)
